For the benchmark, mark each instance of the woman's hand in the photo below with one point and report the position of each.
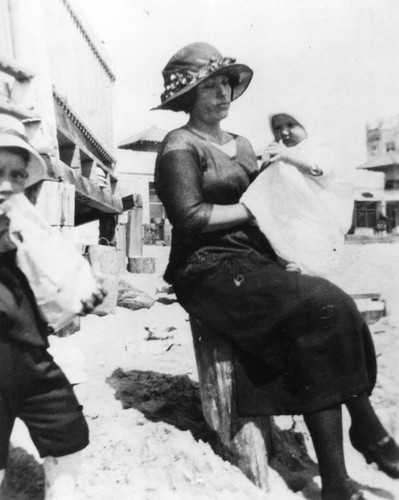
(95, 300)
(293, 268)
(226, 216)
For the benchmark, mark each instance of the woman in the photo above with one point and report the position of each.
(32, 386)
(300, 337)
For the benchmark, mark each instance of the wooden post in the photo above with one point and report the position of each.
(134, 232)
(120, 238)
(244, 441)
(137, 263)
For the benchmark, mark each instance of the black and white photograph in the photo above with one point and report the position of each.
(199, 250)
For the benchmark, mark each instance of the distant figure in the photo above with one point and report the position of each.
(382, 224)
(298, 202)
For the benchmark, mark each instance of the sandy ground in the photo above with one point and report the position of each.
(148, 438)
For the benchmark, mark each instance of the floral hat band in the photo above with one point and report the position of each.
(180, 79)
(193, 64)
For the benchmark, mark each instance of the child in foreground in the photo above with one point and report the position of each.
(298, 202)
(32, 386)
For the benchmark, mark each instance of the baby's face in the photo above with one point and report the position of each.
(287, 129)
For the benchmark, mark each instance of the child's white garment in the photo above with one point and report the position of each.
(59, 276)
(304, 217)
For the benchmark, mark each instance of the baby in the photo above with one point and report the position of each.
(298, 202)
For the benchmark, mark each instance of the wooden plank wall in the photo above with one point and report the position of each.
(6, 45)
(80, 72)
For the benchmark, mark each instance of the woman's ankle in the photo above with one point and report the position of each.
(368, 435)
(339, 489)
(365, 423)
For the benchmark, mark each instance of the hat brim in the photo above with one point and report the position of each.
(36, 166)
(240, 73)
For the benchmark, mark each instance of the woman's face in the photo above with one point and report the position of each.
(13, 174)
(213, 99)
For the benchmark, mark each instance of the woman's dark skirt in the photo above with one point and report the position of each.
(299, 337)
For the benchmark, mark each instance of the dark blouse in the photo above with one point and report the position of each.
(191, 175)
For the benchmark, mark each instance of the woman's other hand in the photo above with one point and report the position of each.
(293, 268)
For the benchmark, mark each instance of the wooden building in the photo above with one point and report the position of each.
(55, 75)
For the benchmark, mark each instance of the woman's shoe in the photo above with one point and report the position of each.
(358, 495)
(385, 453)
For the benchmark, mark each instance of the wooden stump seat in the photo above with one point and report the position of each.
(244, 433)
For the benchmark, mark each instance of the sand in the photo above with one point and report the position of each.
(148, 437)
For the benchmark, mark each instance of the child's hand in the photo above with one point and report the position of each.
(275, 151)
(95, 300)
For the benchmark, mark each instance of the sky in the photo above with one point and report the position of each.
(334, 62)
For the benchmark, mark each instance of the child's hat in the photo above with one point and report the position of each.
(12, 135)
(274, 114)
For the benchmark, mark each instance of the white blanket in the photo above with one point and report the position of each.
(304, 217)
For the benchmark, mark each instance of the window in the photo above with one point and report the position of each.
(390, 146)
(392, 184)
(365, 213)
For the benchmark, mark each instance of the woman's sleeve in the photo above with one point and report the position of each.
(178, 183)
(251, 164)
(5, 322)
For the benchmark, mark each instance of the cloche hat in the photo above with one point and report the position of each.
(194, 63)
(12, 135)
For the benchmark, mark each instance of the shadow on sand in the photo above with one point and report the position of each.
(175, 400)
(24, 479)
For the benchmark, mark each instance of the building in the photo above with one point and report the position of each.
(136, 164)
(55, 76)
(376, 182)
(382, 202)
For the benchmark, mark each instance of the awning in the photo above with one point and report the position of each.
(91, 199)
(388, 159)
(147, 140)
